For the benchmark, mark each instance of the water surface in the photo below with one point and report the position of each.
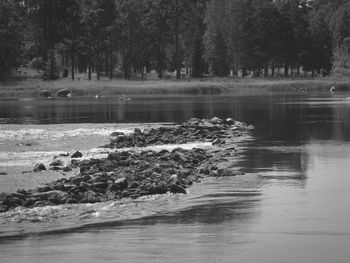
(290, 206)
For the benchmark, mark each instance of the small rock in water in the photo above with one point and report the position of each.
(176, 189)
(39, 167)
(116, 134)
(77, 154)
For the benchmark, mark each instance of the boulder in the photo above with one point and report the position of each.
(63, 93)
(116, 134)
(230, 121)
(121, 183)
(216, 120)
(56, 163)
(45, 93)
(13, 201)
(179, 156)
(3, 208)
(90, 197)
(77, 154)
(39, 167)
(177, 189)
(3, 197)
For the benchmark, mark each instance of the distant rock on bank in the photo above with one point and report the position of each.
(64, 93)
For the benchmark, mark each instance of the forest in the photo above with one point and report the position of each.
(196, 38)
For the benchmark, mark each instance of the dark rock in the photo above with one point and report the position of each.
(63, 93)
(56, 168)
(67, 169)
(56, 163)
(121, 183)
(3, 173)
(3, 197)
(3, 208)
(64, 154)
(45, 93)
(230, 121)
(90, 197)
(176, 189)
(39, 167)
(13, 201)
(77, 154)
(179, 156)
(116, 134)
(42, 189)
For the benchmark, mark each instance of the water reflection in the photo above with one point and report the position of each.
(291, 206)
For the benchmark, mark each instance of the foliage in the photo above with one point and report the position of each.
(174, 36)
(11, 41)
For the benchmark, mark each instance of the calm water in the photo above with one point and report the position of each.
(290, 206)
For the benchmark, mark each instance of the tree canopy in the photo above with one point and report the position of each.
(130, 38)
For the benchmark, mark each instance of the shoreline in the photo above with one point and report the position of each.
(32, 87)
(140, 173)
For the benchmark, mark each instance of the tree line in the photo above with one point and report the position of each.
(193, 37)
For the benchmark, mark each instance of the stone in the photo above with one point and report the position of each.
(3, 208)
(216, 120)
(177, 189)
(67, 169)
(173, 179)
(3, 173)
(63, 93)
(90, 197)
(121, 183)
(179, 156)
(42, 189)
(3, 197)
(77, 154)
(13, 201)
(39, 167)
(45, 93)
(116, 134)
(56, 163)
(230, 121)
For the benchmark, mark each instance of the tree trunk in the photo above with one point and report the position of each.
(177, 58)
(286, 70)
(73, 60)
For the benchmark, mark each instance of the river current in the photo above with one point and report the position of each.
(291, 205)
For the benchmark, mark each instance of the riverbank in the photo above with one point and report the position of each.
(135, 173)
(32, 87)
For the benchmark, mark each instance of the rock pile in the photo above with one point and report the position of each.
(194, 130)
(133, 174)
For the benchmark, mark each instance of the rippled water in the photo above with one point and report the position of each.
(290, 206)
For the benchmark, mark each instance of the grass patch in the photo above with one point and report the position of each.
(32, 87)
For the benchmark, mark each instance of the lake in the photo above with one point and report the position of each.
(290, 206)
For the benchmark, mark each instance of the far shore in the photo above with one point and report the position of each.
(117, 87)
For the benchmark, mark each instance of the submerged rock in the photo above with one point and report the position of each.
(39, 167)
(77, 154)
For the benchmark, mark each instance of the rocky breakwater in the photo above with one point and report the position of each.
(136, 173)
